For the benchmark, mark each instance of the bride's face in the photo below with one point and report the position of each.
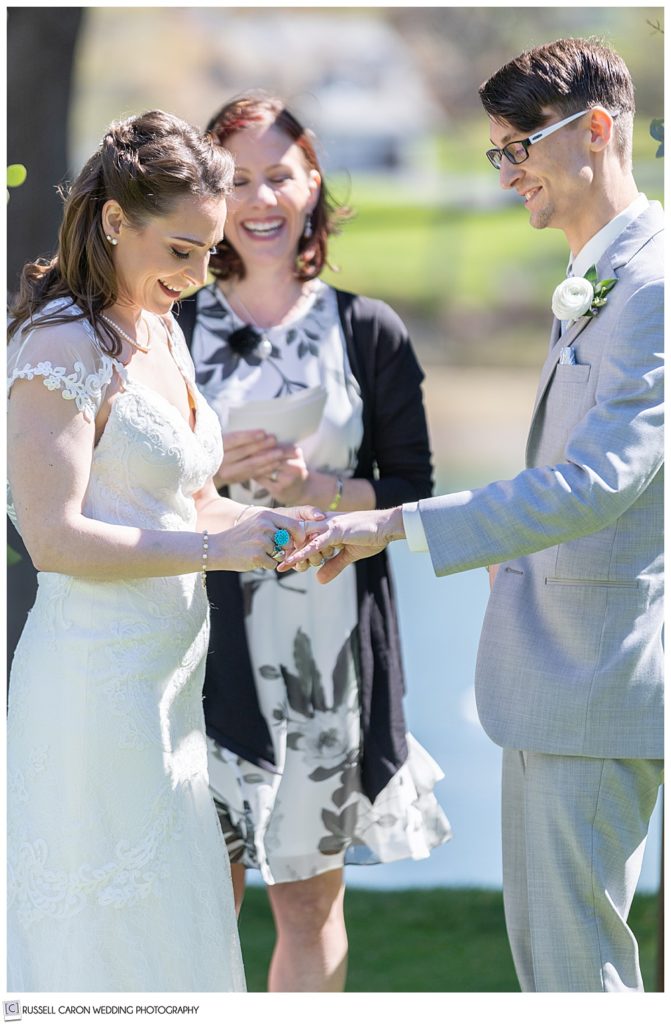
(167, 255)
(274, 191)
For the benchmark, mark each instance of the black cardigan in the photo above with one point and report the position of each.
(395, 457)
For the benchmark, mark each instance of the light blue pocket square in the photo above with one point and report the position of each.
(567, 356)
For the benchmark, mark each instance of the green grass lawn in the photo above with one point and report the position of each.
(447, 259)
(425, 940)
(420, 245)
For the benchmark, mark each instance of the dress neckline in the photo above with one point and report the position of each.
(191, 391)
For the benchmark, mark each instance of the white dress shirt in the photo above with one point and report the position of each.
(589, 255)
(593, 250)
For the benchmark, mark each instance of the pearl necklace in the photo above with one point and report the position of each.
(131, 341)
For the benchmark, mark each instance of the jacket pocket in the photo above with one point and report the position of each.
(572, 373)
(566, 582)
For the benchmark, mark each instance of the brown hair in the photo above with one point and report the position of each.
(146, 163)
(568, 75)
(255, 108)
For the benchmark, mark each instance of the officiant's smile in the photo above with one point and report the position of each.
(275, 192)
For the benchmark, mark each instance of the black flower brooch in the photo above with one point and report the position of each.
(248, 341)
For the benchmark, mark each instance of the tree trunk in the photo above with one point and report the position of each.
(41, 45)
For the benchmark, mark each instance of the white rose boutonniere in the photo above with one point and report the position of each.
(581, 296)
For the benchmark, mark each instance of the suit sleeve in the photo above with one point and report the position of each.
(611, 456)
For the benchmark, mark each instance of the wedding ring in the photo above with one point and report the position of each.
(273, 476)
(277, 554)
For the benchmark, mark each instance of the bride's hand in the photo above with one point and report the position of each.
(250, 544)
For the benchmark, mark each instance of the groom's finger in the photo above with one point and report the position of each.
(296, 561)
(334, 566)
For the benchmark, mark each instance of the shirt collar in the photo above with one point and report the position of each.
(594, 249)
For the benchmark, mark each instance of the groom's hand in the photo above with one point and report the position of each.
(346, 539)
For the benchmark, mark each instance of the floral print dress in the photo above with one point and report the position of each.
(311, 816)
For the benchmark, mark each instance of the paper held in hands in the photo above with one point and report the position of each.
(290, 417)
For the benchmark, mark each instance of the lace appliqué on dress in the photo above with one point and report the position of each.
(81, 384)
(39, 891)
(85, 389)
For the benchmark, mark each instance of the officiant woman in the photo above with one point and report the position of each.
(310, 763)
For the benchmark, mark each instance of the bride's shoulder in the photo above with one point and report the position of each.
(59, 346)
(58, 329)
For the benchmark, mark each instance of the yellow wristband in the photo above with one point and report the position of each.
(338, 495)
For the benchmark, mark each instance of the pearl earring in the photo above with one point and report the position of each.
(112, 241)
(307, 230)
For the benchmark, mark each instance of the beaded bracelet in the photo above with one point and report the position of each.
(203, 570)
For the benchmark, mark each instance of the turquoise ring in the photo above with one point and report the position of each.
(281, 539)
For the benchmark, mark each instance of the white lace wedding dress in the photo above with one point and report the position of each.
(118, 873)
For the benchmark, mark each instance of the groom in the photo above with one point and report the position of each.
(569, 670)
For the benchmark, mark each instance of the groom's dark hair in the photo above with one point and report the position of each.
(568, 75)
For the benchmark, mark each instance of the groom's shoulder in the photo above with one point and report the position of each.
(641, 249)
(646, 265)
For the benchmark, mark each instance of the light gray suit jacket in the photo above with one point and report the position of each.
(570, 658)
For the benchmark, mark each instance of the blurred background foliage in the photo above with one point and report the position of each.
(392, 93)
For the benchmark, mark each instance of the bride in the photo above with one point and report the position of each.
(115, 855)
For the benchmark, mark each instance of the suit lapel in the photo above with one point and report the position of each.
(555, 333)
(625, 246)
(558, 341)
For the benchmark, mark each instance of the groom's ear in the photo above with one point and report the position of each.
(601, 128)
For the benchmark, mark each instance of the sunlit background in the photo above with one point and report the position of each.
(392, 95)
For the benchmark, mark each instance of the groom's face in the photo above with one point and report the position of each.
(551, 182)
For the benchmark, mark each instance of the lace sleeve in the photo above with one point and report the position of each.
(67, 358)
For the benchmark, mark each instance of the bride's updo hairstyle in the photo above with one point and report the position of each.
(248, 111)
(147, 164)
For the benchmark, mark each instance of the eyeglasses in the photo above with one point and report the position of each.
(517, 152)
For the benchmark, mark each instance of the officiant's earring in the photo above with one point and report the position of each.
(307, 230)
(112, 241)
